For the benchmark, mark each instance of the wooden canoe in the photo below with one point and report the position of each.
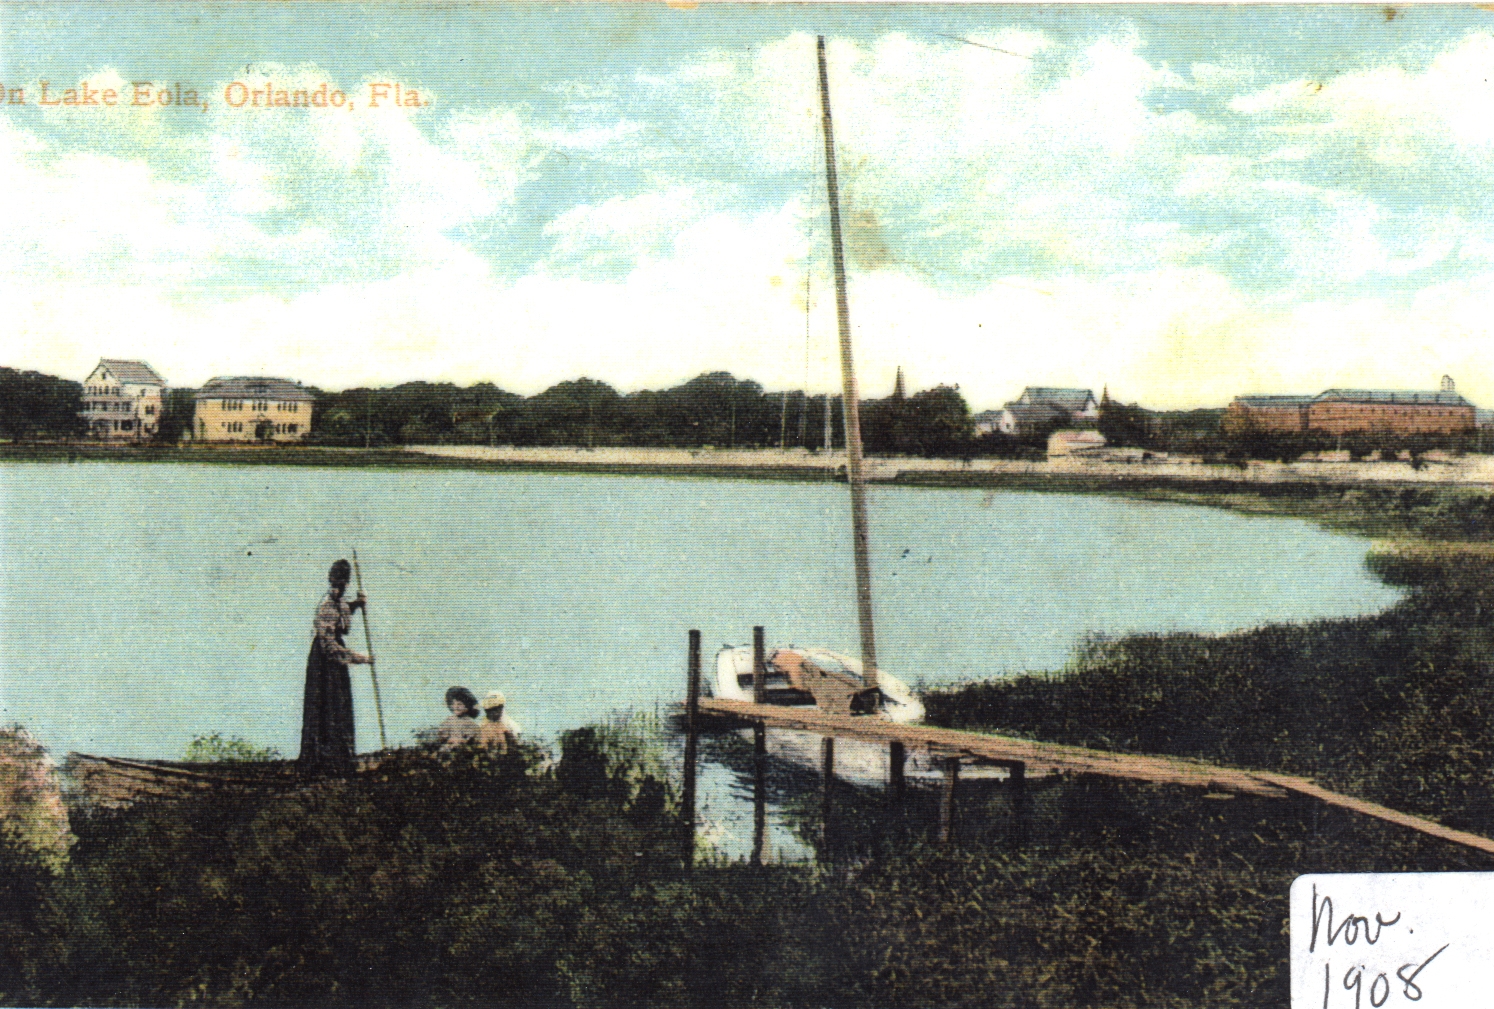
(116, 782)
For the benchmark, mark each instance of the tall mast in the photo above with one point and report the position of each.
(851, 400)
(804, 400)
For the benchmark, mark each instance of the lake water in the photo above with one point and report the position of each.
(142, 605)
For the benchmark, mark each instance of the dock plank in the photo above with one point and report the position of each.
(1037, 757)
(1304, 786)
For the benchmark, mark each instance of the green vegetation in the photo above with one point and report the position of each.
(471, 879)
(32, 814)
(715, 409)
(33, 405)
(214, 748)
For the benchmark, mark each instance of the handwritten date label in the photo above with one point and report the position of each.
(1376, 940)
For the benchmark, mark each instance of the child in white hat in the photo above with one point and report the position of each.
(499, 731)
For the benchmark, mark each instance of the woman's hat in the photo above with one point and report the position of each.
(494, 700)
(464, 695)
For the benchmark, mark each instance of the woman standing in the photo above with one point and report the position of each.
(327, 740)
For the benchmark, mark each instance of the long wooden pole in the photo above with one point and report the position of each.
(851, 400)
(368, 640)
(692, 735)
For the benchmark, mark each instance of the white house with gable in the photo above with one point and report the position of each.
(122, 401)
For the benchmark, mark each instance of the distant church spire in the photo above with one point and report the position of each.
(1105, 397)
(898, 392)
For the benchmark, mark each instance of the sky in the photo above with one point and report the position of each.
(1179, 203)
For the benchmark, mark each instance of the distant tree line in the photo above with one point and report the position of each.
(715, 409)
(33, 405)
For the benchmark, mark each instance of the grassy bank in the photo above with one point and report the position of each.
(1397, 707)
(472, 880)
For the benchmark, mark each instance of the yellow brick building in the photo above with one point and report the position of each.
(251, 410)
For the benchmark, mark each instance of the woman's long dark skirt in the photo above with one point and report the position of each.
(327, 717)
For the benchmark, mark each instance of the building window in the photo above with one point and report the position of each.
(150, 410)
(291, 428)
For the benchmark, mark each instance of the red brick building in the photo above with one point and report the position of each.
(1354, 411)
(1269, 414)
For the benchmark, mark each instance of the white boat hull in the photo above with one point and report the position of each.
(733, 681)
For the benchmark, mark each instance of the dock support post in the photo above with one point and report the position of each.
(759, 668)
(827, 785)
(1017, 787)
(759, 750)
(897, 759)
(947, 800)
(692, 742)
(759, 791)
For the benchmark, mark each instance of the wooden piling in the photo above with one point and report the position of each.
(759, 667)
(947, 800)
(692, 742)
(827, 785)
(759, 749)
(1020, 804)
(897, 760)
(759, 792)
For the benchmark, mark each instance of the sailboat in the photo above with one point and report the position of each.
(816, 676)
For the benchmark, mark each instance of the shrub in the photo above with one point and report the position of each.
(214, 748)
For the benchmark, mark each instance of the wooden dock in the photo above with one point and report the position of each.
(1023, 758)
(1036, 758)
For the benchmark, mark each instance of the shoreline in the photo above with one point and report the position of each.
(1450, 500)
(1475, 472)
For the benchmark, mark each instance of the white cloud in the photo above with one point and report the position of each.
(620, 232)
(1402, 114)
(338, 240)
(255, 198)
